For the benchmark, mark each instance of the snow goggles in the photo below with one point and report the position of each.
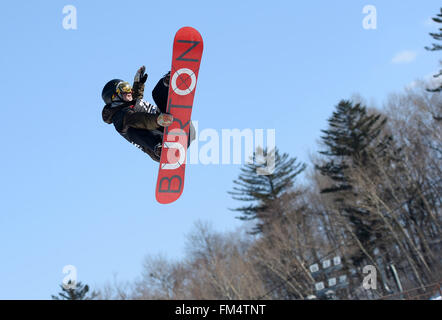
(124, 87)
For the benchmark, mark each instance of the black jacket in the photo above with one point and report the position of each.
(141, 115)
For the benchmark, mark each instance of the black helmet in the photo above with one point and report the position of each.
(110, 90)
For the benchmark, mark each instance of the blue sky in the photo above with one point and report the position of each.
(74, 192)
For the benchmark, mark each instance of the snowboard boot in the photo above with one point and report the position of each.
(165, 119)
(166, 79)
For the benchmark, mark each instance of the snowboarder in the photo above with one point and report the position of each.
(137, 120)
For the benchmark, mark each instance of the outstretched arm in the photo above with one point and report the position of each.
(141, 120)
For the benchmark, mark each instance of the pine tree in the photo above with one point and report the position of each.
(436, 47)
(352, 141)
(77, 292)
(261, 190)
(351, 131)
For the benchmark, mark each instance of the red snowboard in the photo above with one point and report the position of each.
(186, 58)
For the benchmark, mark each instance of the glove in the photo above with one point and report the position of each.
(141, 75)
(139, 80)
(165, 119)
